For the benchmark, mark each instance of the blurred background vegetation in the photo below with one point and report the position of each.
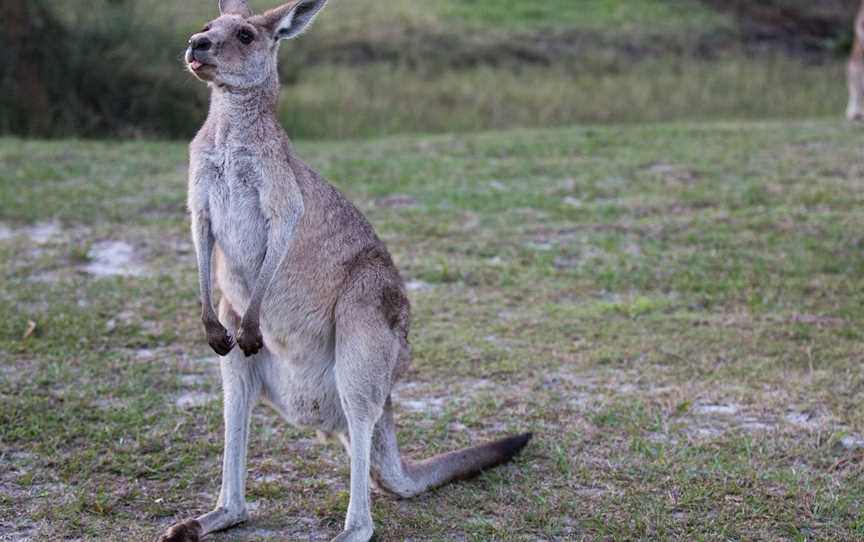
(100, 68)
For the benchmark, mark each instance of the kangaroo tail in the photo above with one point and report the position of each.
(407, 479)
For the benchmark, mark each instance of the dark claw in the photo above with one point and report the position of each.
(220, 341)
(250, 340)
(187, 531)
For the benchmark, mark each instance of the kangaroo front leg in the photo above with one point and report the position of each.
(202, 236)
(283, 209)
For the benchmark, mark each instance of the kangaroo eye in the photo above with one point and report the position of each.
(245, 37)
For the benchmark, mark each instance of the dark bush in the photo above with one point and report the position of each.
(105, 71)
(802, 26)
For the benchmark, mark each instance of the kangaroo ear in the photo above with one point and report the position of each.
(292, 19)
(234, 7)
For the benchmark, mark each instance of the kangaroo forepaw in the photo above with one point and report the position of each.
(218, 338)
(249, 338)
(187, 531)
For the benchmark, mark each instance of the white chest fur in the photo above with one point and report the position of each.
(239, 227)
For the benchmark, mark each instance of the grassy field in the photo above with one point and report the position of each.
(371, 68)
(674, 309)
(616, 15)
(674, 15)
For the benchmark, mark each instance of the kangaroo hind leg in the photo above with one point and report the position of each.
(242, 388)
(367, 351)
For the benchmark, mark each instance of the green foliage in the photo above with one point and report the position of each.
(108, 70)
(370, 68)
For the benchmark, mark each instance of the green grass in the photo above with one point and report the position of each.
(674, 309)
(371, 69)
(345, 102)
(618, 16)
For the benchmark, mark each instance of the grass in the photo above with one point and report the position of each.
(461, 66)
(674, 309)
(345, 102)
(381, 68)
(616, 15)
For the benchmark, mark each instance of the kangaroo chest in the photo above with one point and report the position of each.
(239, 226)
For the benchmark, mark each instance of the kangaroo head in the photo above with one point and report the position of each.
(238, 49)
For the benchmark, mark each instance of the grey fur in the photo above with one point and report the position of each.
(309, 291)
(855, 71)
(236, 7)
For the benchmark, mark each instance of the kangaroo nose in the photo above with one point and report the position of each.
(201, 43)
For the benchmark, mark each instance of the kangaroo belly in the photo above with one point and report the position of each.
(302, 389)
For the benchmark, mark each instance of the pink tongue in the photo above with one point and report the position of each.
(195, 64)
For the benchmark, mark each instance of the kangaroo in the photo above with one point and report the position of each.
(855, 111)
(313, 317)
